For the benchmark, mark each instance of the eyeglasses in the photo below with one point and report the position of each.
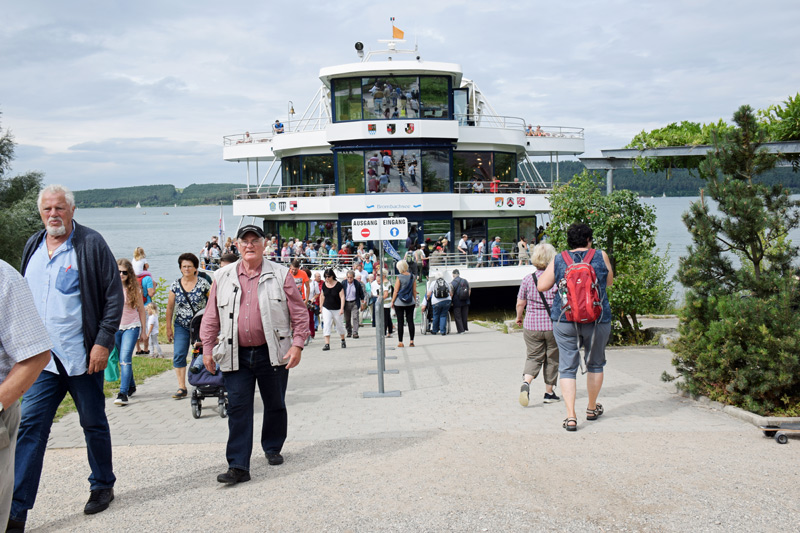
(250, 243)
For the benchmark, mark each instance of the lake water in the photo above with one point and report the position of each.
(167, 232)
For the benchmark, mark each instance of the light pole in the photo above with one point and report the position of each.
(289, 113)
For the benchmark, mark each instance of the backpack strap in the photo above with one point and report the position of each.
(567, 258)
(589, 256)
(586, 258)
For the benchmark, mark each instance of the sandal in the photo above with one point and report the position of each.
(411, 344)
(594, 414)
(181, 393)
(570, 423)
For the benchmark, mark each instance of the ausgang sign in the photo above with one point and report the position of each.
(366, 229)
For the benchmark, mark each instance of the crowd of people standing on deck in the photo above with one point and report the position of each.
(74, 303)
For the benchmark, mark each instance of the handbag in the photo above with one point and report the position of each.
(112, 368)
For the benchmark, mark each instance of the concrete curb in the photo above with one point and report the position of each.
(741, 414)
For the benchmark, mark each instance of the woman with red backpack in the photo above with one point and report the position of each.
(581, 316)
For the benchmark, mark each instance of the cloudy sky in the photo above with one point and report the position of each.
(104, 94)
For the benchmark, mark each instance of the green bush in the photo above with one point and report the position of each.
(739, 328)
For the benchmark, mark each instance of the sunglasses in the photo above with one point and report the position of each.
(123, 273)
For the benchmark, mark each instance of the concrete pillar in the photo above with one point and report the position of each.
(609, 181)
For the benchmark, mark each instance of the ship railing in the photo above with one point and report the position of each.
(471, 260)
(562, 132)
(485, 187)
(248, 138)
(284, 191)
(307, 124)
(479, 120)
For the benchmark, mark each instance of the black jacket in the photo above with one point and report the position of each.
(98, 277)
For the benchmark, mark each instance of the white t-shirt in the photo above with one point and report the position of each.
(138, 265)
(387, 302)
(152, 320)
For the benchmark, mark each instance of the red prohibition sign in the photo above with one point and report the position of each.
(365, 232)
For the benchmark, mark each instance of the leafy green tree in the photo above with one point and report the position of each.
(740, 330)
(19, 214)
(625, 229)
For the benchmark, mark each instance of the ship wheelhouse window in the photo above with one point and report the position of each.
(350, 166)
(391, 97)
(483, 167)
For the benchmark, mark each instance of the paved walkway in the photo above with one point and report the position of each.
(455, 451)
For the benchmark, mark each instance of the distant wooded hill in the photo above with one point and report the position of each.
(158, 195)
(679, 183)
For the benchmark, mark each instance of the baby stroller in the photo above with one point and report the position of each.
(206, 384)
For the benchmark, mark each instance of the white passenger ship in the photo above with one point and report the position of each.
(456, 166)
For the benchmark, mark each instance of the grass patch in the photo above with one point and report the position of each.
(143, 368)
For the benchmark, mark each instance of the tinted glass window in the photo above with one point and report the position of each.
(351, 172)
(435, 171)
(434, 99)
(318, 170)
(291, 171)
(505, 166)
(347, 98)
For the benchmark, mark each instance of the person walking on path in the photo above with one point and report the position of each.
(540, 344)
(187, 296)
(77, 291)
(524, 255)
(131, 329)
(332, 303)
(254, 329)
(461, 292)
(354, 299)
(404, 302)
(440, 295)
(24, 352)
(594, 336)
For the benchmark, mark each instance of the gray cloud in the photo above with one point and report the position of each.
(142, 92)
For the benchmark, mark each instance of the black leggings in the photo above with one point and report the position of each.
(408, 312)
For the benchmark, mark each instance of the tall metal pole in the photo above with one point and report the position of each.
(381, 341)
(609, 181)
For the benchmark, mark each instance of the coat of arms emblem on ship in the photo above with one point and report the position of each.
(293, 205)
(273, 206)
(510, 201)
(410, 128)
(391, 128)
(498, 201)
(372, 129)
(520, 201)
(282, 206)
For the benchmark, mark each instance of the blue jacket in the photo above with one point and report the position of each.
(101, 289)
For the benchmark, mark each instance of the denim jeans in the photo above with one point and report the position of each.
(125, 342)
(181, 346)
(38, 409)
(440, 317)
(255, 367)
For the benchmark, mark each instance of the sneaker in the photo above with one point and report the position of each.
(524, 394)
(234, 476)
(344, 344)
(550, 397)
(349, 335)
(99, 499)
(355, 335)
(326, 347)
(132, 391)
(122, 399)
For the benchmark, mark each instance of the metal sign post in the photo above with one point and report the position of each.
(366, 229)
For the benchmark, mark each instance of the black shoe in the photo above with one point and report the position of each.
(355, 335)
(349, 335)
(344, 344)
(132, 391)
(122, 399)
(326, 347)
(234, 476)
(15, 526)
(274, 459)
(99, 501)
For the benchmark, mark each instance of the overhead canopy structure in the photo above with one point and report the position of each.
(626, 157)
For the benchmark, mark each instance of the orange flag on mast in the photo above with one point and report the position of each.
(397, 33)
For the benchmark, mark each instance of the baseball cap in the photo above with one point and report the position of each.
(250, 228)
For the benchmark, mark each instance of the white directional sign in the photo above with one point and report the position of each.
(366, 229)
(393, 228)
